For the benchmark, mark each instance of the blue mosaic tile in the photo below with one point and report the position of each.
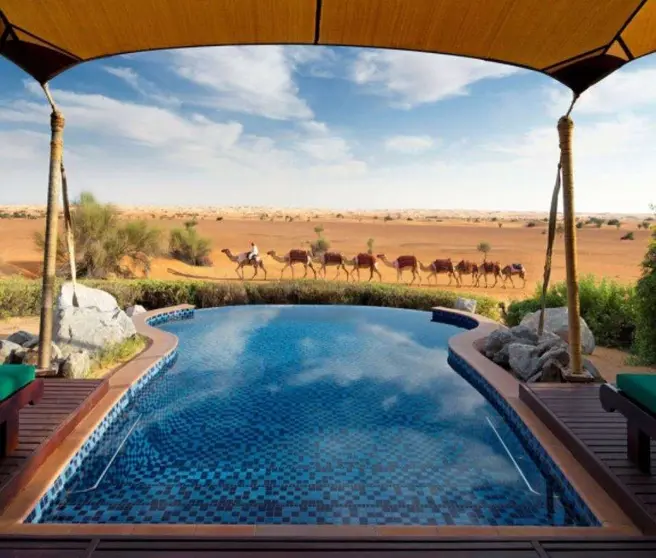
(443, 316)
(230, 435)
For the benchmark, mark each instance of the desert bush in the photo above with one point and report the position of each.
(560, 229)
(531, 224)
(388, 218)
(596, 221)
(22, 297)
(614, 223)
(370, 246)
(579, 224)
(484, 248)
(103, 242)
(188, 246)
(608, 307)
(320, 244)
(627, 236)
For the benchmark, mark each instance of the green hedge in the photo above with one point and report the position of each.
(21, 297)
(608, 307)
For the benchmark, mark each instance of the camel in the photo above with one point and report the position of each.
(331, 259)
(242, 261)
(465, 267)
(365, 261)
(489, 267)
(440, 266)
(513, 269)
(401, 264)
(294, 257)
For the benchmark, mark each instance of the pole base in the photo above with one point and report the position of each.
(584, 378)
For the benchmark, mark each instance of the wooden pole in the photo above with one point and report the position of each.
(50, 252)
(565, 127)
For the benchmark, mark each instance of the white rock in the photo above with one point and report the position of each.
(22, 337)
(135, 310)
(465, 305)
(91, 329)
(7, 350)
(76, 365)
(556, 321)
(86, 298)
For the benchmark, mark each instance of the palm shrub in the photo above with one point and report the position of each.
(104, 245)
(188, 246)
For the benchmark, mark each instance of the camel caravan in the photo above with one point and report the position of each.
(487, 271)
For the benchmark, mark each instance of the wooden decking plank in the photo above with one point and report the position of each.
(43, 426)
(598, 440)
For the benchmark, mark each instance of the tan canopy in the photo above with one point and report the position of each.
(578, 42)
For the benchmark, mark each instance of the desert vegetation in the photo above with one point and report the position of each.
(186, 245)
(104, 244)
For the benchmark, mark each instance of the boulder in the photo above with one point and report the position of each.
(22, 337)
(552, 371)
(502, 357)
(55, 351)
(90, 328)
(524, 335)
(556, 321)
(591, 369)
(7, 351)
(135, 310)
(86, 298)
(522, 360)
(76, 365)
(549, 341)
(465, 305)
(30, 355)
(496, 341)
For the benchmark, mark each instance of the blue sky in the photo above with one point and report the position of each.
(328, 127)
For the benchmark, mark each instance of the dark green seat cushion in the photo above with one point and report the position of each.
(13, 377)
(640, 388)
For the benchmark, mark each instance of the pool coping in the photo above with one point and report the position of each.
(162, 348)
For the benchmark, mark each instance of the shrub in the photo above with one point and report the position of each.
(596, 221)
(22, 297)
(531, 224)
(188, 246)
(608, 307)
(627, 236)
(579, 224)
(388, 218)
(484, 248)
(645, 338)
(103, 242)
(614, 223)
(219, 218)
(560, 229)
(370, 246)
(321, 244)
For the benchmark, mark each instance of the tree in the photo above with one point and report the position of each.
(321, 244)
(188, 246)
(645, 333)
(484, 248)
(104, 244)
(370, 246)
(560, 229)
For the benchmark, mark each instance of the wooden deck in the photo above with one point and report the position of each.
(203, 547)
(42, 427)
(598, 440)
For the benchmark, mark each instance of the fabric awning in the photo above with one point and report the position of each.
(577, 42)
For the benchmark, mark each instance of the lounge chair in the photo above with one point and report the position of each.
(635, 398)
(19, 387)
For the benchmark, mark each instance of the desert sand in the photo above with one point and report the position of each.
(428, 235)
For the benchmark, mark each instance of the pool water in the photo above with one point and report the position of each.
(311, 415)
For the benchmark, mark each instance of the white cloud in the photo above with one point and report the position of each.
(254, 80)
(321, 144)
(409, 144)
(142, 86)
(411, 78)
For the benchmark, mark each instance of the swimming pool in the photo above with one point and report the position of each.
(312, 415)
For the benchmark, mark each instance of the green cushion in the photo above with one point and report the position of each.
(640, 388)
(13, 377)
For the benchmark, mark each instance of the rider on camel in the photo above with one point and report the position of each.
(253, 253)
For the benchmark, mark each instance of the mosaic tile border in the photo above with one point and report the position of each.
(76, 461)
(541, 457)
